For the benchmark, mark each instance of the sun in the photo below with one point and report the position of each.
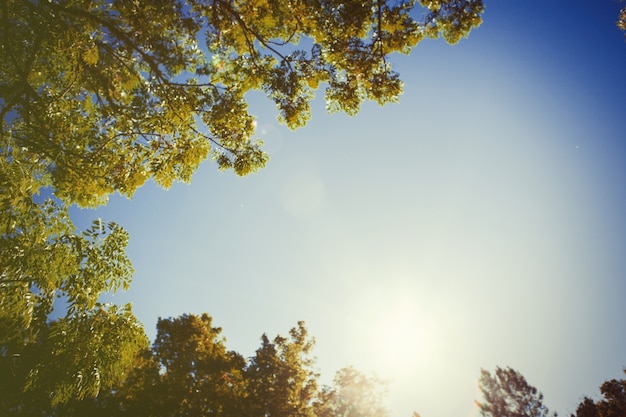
(403, 337)
(394, 330)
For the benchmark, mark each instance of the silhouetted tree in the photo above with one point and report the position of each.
(612, 405)
(507, 394)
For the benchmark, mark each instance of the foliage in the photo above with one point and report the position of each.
(189, 372)
(199, 376)
(280, 381)
(451, 19)
(612, 405)
(353, 395)
(621, 19)
(71, 358)
(44, 264)
(105, 95)
(507, 394)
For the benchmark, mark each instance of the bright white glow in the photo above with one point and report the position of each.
(403, 338)
(396, 330)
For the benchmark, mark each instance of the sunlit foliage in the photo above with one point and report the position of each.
(353, 394)
(57, 340)
(280, 379)
(199, 376)
(189, 372)
(108, 94)
(621, 20)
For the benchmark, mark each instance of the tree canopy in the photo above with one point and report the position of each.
(190, 372)
(280, 379)
(613, 403)
(44, 264)
(507, 394)
(108, 94)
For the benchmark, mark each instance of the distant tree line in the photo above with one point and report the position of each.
(189, 372)
(507, 394)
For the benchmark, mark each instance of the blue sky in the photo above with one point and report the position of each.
(478, 222)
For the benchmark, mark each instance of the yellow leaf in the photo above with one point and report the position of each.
(91, 55)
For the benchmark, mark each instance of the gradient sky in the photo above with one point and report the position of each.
(479, 222)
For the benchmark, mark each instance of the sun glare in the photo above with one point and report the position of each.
(402, 338)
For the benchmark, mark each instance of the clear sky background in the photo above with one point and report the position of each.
(479, 222)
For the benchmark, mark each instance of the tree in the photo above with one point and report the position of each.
(57, 341)
(279, 379)
(189, 372)
(612, 405)
(507, 394)
(353, 395)
(105, 95)
(137, 394)
(198, 375)
(73, 357)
